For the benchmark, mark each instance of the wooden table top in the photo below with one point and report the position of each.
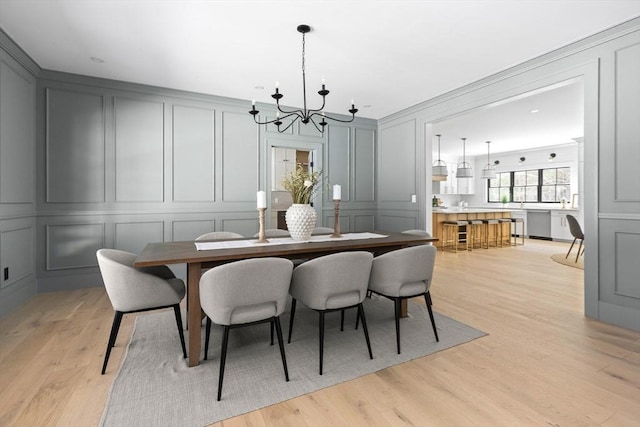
(185, 251)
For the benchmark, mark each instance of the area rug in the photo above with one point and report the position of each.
(571, 261)
(154, 386)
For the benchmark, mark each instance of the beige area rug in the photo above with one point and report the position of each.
(571, 261)
(154, 387)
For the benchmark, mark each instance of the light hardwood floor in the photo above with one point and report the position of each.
(543, 362)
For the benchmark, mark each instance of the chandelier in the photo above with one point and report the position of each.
(464, 168)
(305, 115)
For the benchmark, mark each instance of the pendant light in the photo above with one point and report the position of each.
(464, 168)
(439, 169)
(488, 172)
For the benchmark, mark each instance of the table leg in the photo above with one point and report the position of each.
(194, 320)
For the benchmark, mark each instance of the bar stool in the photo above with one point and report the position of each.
(502, 222)
(515, 222)
(475, 233)
(451, 234)
(489, 225)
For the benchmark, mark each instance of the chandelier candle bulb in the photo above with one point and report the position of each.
(337, 192)
(262, 199)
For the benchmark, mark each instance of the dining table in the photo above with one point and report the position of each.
(202, 255)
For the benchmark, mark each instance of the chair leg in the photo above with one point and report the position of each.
(571, 247)
(342, 320)
(271, 330)
(115, 326)
(579, 247)
(206, 338)
(176, 310)
(321, 337)
(281, 345)
(427, 299)
(396, 312)
(223, 359)
(293, 313)
(358, 318)
(364, 328)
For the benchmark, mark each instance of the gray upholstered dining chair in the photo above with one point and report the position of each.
(332, 283)
(420, 233)
(322, 230)
(132, 290)
(245, 293)
(274, 232)
(402, 274)
(219, 235)
(576, 232)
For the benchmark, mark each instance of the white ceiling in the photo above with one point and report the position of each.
(389, 55)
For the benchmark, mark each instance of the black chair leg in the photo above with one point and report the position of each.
(342, 320)
(223, 359)
(579, 247)
(281, 344)
(571, 247)
(321, 337)
(206, 338)
(293, 313)
(364, 328)
(396, 312)
(115, 326)
(176, 310)
(358, 318)
(271, 330)
(427, 299)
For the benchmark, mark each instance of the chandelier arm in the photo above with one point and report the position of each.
(267, 122)
(333, 118)
(290, 124)
(320, 129)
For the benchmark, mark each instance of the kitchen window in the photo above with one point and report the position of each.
(549, 185)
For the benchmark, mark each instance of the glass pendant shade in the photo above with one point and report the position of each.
(464, 168)
(488, 172)
(439, 169)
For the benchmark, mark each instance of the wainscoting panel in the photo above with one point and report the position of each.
(339, 161)
(364, 165)
(398, 222)
(248, 227)
(139, 145)
(73, 245)
(75, 147)
(134, 236)
(396, 162)
(189, 230)
(345, 221)
(193, 154)
(17, 122)
(364, 222)
(16, 253)
(239, 158)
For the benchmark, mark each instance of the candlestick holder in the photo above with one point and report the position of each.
(261, 237)
(336, 221)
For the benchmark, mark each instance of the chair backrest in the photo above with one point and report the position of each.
(220, 235)
(574, 227)
(420, 233)
(322, 230)
(403, 272)
(246, 291)
(274, 232)
(130, 288)
(321, 283)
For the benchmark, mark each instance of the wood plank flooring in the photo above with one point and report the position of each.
(543, 362)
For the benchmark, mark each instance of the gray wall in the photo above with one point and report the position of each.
(609, 65)
(89, 163)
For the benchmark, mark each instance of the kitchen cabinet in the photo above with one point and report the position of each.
(560, 226)
(284, 162)
(519, 230)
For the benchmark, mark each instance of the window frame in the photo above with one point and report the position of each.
(539, 186)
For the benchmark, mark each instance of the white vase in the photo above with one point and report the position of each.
(301, 219)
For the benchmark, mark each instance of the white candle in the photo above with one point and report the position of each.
(253, 102)
(262, 199)
(337, 192)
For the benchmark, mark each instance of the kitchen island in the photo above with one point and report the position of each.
(467, 214)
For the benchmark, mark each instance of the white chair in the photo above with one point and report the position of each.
(274, 232)
(332, 283)
(402, 274)
(220, 235)
(133, 290)
(245, 293)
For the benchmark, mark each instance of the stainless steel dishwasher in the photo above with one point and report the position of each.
(539, 224)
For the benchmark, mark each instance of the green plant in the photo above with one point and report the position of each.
(505, 199)
(301, 184)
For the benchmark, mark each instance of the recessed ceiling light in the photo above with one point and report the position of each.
(534, 111)
(97, 59)
(259, 87)
(366, 106)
